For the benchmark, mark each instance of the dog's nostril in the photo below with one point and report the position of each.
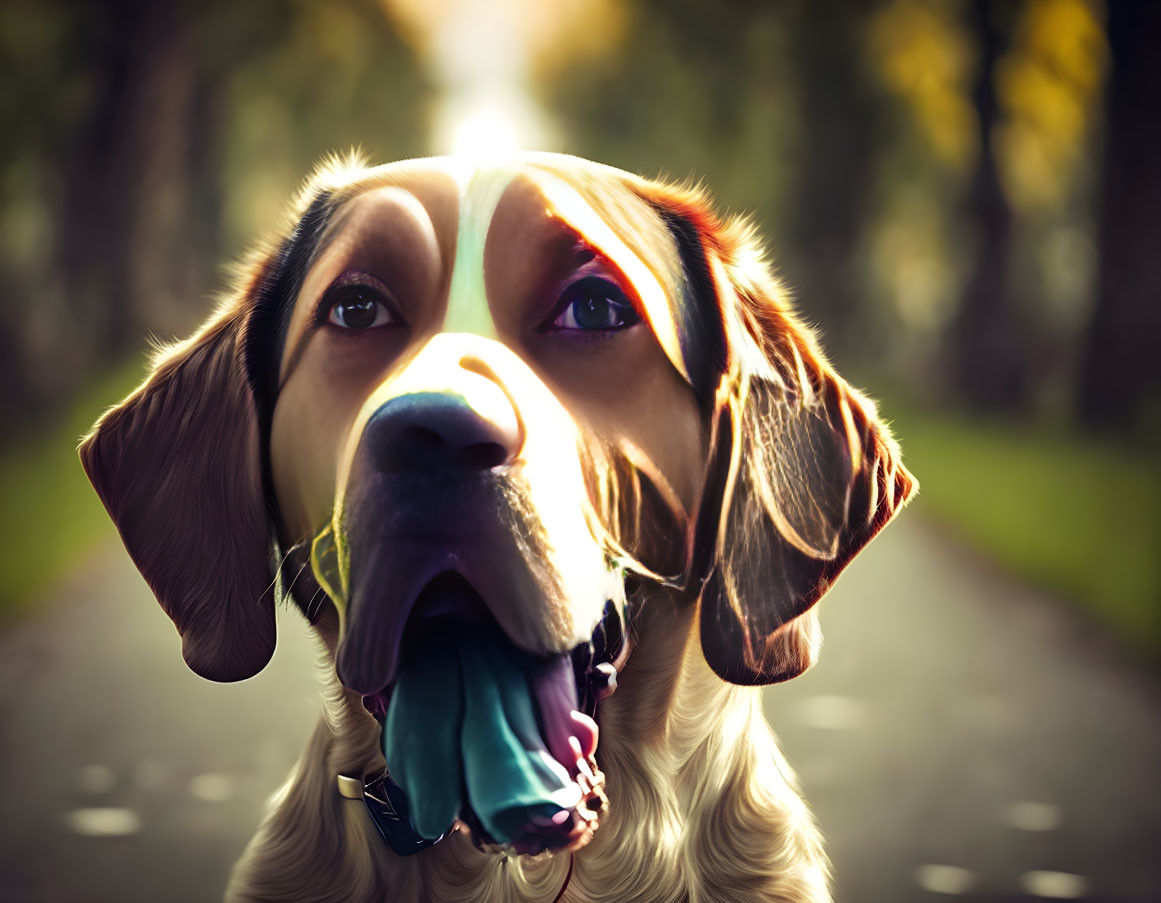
(484, 455)
(430, 432)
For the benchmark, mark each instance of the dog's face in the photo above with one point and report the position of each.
(483, 395)
(454, 348)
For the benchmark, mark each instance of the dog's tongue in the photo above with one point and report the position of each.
(462, 728)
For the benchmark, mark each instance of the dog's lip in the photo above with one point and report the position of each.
(368, 659)
(387, 585)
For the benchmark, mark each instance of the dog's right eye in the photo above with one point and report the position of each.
(358, 306)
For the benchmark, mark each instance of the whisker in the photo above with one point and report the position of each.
(312, 610)
(277, 575)
(290, 588)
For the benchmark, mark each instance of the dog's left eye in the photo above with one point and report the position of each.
(358, 306)
(594, 304)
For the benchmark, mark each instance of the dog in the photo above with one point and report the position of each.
(512, 434)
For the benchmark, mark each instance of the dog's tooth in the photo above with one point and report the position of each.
(603, 680)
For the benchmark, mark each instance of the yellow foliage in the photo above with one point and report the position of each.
(1047, 85)
(924, 57)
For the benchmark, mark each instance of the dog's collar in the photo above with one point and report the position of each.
(387, 805)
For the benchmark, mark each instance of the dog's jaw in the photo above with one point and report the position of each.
(461, 749)
(681, 751)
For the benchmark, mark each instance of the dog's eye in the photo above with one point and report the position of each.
(357, 306)
(594, 304)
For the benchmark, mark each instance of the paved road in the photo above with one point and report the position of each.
(967, 734)
(962, 738)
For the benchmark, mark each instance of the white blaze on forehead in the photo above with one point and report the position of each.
(467, 302)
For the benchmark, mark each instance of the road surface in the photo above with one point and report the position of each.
(962, 738)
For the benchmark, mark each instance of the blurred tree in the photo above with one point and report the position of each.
(981, 235)
(987, 338)
(1048, 85)
(138, 139)
(1120, 380)
(124, 171)
(693, 91)
(41, 70)
(770, 105)
(925, 57)
(835, 165)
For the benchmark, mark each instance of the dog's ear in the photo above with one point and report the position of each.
(180, 463)
(802, 474)
(177, 465)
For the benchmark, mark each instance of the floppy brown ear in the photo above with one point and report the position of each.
(179, 464)
(177, 467)
(802, 473)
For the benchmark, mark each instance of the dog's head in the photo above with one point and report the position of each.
(485, 397)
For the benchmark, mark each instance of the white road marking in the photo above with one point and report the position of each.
(944, 879)
(1054, 885)
(104, 822)
(212, 788)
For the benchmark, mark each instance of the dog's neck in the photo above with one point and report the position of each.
(702, 805)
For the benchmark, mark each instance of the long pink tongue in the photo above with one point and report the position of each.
(554, 688)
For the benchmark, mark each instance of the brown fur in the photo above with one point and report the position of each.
(737, 489)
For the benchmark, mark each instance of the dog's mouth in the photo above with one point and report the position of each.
(482, 735)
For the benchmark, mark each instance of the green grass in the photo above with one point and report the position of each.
(49, 514)
(1077, 515)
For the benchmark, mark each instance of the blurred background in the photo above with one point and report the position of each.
(964, 197)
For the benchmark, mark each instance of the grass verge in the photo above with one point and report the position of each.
(1073, 513)
(49, 514)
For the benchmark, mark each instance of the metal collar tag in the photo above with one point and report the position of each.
(387, 805)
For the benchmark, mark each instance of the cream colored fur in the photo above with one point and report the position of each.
(703, 807)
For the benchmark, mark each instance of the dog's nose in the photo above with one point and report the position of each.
(425, 432)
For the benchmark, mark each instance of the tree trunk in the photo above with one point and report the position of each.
(836, 169)
(1121, 373)
(986, 345)
(141, 206)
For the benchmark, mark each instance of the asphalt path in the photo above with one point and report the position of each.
(962, 738)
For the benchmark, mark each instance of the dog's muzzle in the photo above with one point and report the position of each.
(457, 630)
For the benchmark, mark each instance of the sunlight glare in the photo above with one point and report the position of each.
(486, 132)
